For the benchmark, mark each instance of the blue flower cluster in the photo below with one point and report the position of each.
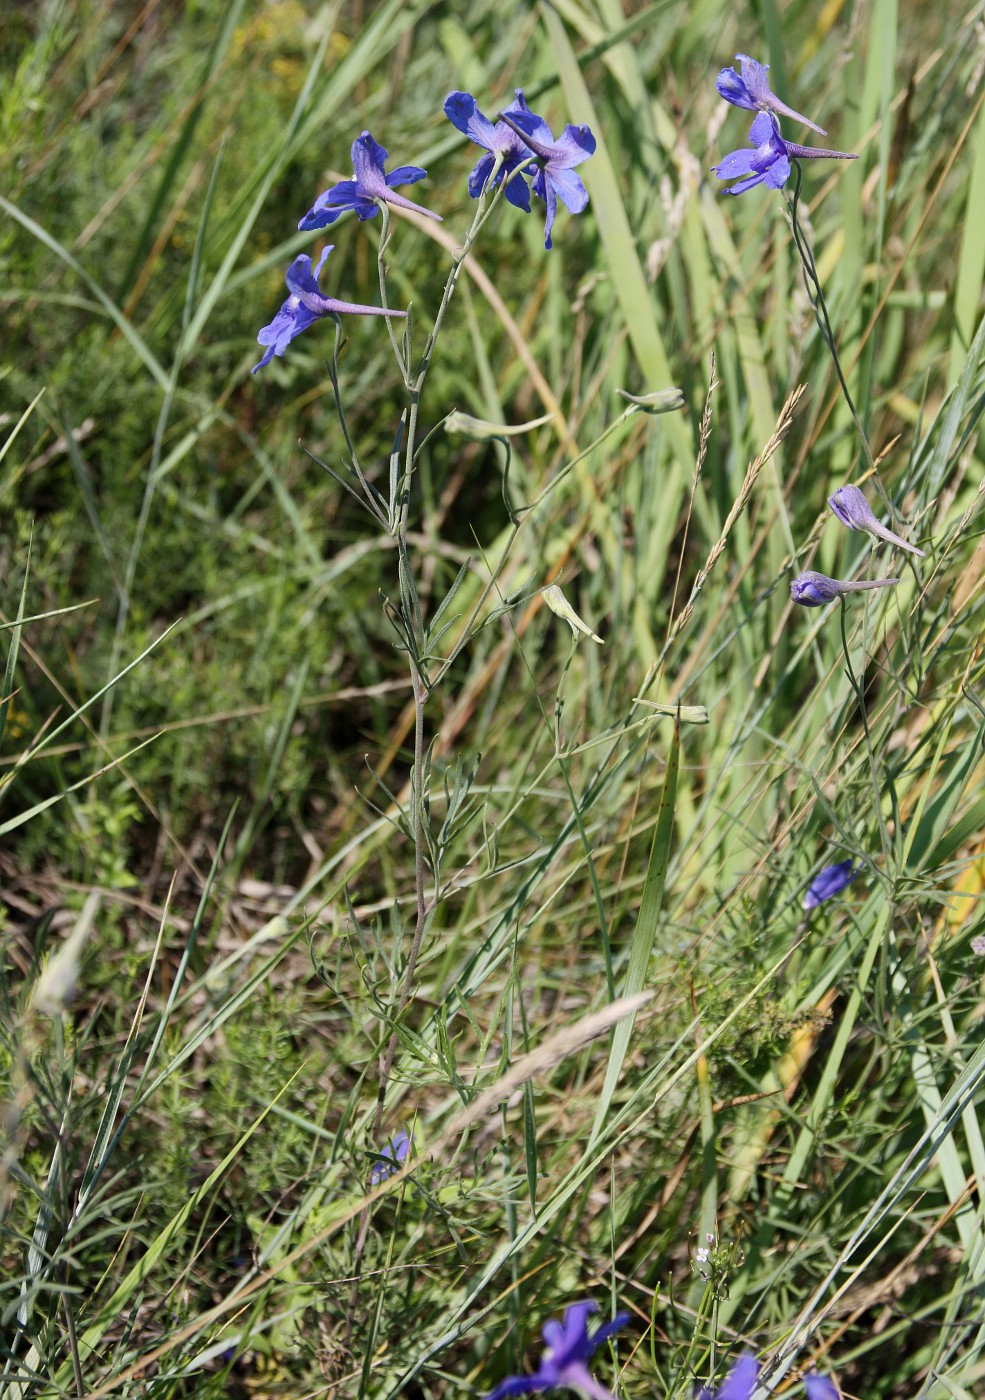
(519, 140)
(521, 155)
(767, 159)
(569, 1348)
(519, 147)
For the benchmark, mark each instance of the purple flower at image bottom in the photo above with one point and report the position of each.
(820, 1388)
(568, 1350)
(850, 506)
(391, 1157)
(554, 179)
(752, 91)
(305, 306)
(829, 882)
(500, 142)
(767, 159)
(813, 590)
(371, 187)
(743, 1377)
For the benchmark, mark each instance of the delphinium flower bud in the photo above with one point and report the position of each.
(752, 91)
(657, 401)
(560, 606)
(829, 882)
(813, 590)
(853, 510)
(391, 1157)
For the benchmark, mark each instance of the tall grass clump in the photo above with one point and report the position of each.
(493, 839)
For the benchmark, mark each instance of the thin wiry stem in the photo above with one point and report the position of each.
(410, 606)
(859, 691)
(820, 306)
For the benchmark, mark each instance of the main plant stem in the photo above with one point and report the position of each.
(416, 652)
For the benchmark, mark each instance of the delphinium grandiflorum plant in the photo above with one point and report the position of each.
(769, 160)
(522, 163)
(521, 160)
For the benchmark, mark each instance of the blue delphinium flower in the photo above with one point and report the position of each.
(554, 178)
(371, 187)
(767, 160)
(852, 509)
(743, 1376)
(813, 590)
(393, 1155)
(500, 141)
(564, 1364)
(821, 1388)
(738, 1384)
(829, 882)
(306, 305)
(752, 91)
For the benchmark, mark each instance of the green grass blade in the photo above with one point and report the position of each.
(645, 933)
(10, 669)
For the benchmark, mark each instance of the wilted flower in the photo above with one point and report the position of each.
(752, 91)
(813, 590)
(657, 401)
(560, 606)
(852, 509)
(306, 305)
(768, 158)
(458, 424)
(501, 141)
(554, 178)
(393, 1155)
(564, 1364)
(829, 882)
(371, 187)
(978, 944)
(741, 1381)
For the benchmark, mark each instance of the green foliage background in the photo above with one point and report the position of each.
(186, 1149)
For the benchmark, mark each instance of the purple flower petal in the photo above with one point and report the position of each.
(829, 882)
(462, 111)
(405, 175)
(763, 130)
(820, 1388)
(368, 160)
(392, 1155)
(735, 163)
(741, 1379)
(568, 1349)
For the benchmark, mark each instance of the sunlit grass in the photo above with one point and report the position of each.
(209, 734)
